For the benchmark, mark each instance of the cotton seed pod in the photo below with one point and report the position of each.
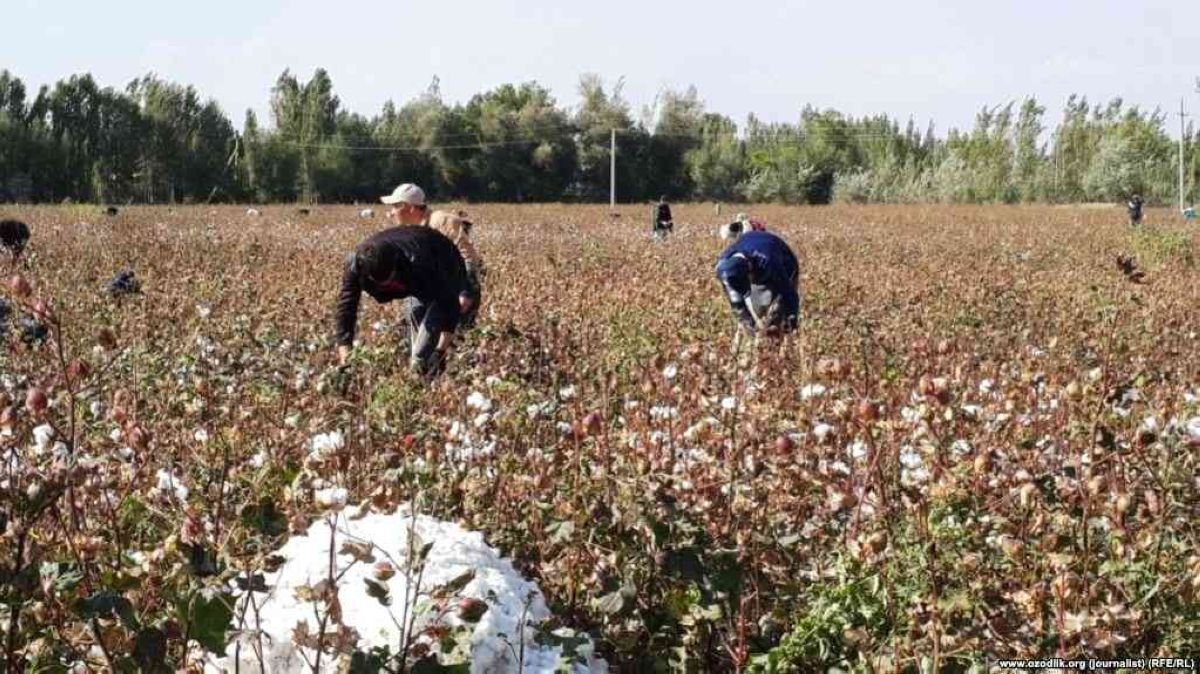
(77, 370)
(591, 423)
(19, 286)
(925, 385)
(8, 417)
(123, 398)
(107, 339)
(137, 437)
(471, 609)
(867, 411)
(383, 570)
(876, 542)
(35, 400)
(784, 445)
(982, 463)
(42, 311)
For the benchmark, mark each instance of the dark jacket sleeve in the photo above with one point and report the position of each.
(347, 304)
(737, 287)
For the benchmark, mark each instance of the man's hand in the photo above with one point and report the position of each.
(343, 354)
(444, 340)
(464, 303)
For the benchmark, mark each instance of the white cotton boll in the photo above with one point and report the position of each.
(821, 431)
(201, 436)
(42, 436)
(333, 498)
(564, 428)
(169, 483)
(125, 454)
(1149, 425)
(481, 420)
(1193, 428)
(911, 459)
(326, 443)
(567, 392)
(538, 410)
(857, 449)
(292, 420)
(479, 402)
(258, 460)
(812, 391)
(632, 404)
(960, 447)
(728, 403)
(1095, 374)
(492, 381)
(663, 412)
(96, 409)
(670, 371)
(987, 386)
(839, 467)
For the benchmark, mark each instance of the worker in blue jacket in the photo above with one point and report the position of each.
(760, 276)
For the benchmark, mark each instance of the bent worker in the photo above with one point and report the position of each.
(417, 263)
(760, 276)
(661, 222)
(740, 225)
(408, 207)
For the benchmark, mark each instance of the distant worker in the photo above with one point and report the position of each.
(417, 263)
(761, 277)
(1135, 210)
(408, 207)
(661, 222)
(14, 235)
(740, 225)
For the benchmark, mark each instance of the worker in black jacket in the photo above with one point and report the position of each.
(661, 222)
(1134, 205)
(418, 263)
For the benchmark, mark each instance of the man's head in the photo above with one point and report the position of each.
(407, 204)
(377, 268)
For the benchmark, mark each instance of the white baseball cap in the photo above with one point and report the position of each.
(407, 193)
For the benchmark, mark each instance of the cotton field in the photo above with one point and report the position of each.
(981, 443)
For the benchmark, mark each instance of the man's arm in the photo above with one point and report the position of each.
(736, 290)
(347, 307)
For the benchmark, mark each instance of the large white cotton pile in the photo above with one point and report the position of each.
(494, 643)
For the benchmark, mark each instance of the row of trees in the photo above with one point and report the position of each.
(158, 141)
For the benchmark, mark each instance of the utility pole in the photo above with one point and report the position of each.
(1181, 138)
(612, 172)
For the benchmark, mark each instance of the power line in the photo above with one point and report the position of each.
(844, 140)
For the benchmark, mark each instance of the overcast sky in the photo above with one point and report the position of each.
(920, 59)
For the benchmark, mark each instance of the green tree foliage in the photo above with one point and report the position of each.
(159, 141)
